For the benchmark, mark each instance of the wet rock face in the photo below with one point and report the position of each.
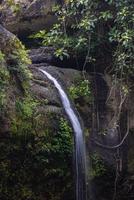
(42, 88)
(42, 55)
(27, 17)
(107, 101)
(99, 118)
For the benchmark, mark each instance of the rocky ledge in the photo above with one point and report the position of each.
(26, 17)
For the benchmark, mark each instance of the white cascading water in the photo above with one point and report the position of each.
(80, 156)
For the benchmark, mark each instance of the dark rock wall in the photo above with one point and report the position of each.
(30, 17)
(99, 115)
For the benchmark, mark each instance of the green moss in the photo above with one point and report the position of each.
(4, 81)
(17, 61)
(40, 146)
(65, 133)
(22, 123)
(2, 56)
(15, 7)
(28, 163)
(20, 60)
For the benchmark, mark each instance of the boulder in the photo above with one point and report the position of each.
(26, 17)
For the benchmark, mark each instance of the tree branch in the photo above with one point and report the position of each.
(116, 146)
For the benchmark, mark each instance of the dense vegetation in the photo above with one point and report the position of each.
(99, 30)
(36, 156)
(36, 149)
(35, 167)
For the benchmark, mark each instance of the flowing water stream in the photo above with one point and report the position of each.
(80, 156)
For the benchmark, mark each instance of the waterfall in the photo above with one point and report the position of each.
(80, 156)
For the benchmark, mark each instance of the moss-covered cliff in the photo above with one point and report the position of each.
(36, 138)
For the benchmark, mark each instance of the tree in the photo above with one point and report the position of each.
(84, 26)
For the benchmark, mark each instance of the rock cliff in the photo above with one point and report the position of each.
(30, 106)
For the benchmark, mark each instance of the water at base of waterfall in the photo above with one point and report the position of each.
(80, 156)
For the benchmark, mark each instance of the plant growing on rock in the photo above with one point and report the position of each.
(29, 162)
(4, 81)
(71, 34)
(80, 89)
(98, 168)
(19, 63)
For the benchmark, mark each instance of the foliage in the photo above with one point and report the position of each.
(122, 33)
(98, 168)
(80, 89)
(36, 159)
(36, 155)
(20, 62)
(22, 123)
(15, 73)
(35, 167)
(1, 56)
(75, 38)
(16, 60)
(65, 132)
(15, 7)
(4, 80)
(94, 29)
